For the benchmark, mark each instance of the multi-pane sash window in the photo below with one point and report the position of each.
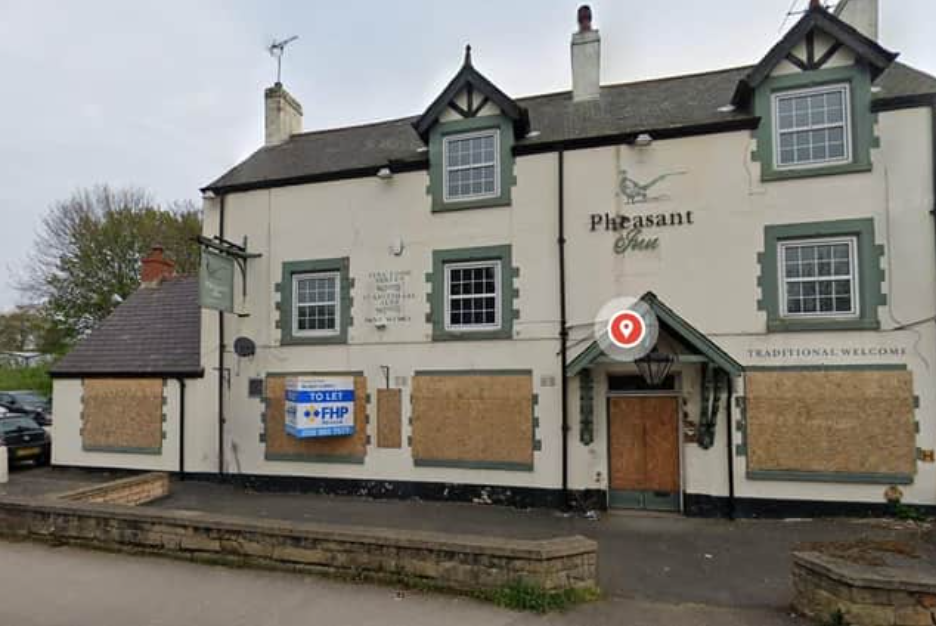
(819, 278)
(472, 296)
(316, 303)
(811, 127)
(471, 166)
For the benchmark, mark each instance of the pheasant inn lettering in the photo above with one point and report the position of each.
(631, 228)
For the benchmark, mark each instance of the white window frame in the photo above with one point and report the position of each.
(854, 277)
(492, 132)
(846, 125)
(331, 332)
(498, 295)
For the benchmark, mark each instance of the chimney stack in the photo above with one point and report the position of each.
(282, 115)
(586, 58)
(863, 15)
(156, 267)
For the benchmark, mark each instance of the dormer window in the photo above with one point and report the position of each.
(812, 126)
(472, 168)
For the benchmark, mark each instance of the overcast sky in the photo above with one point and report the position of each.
(168, 95)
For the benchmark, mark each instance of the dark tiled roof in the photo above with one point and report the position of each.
(155, 331)
(668, 105)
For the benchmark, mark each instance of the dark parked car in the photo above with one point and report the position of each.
(24, 439)
(30, 403)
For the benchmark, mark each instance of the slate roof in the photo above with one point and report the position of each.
(156, 331)
(668, 106)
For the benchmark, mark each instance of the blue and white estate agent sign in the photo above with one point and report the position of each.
(320, 407)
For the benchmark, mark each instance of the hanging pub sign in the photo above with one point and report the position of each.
(320, 406)
(216, 282)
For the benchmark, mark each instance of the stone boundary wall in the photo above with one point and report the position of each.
(863, 595)
(131, 491)
(459, 562)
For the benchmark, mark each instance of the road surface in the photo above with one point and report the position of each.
(42, 585)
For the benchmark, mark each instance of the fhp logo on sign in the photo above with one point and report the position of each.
(626, 329)
(320, 407)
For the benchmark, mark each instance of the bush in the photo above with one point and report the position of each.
(26, 378)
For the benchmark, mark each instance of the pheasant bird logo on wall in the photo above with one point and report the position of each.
(636, 193)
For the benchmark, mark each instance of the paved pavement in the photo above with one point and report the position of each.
(46, 586)
(652, 569)
(28, 481)
(641, 557)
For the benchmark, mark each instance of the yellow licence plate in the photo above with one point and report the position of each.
(27, 452)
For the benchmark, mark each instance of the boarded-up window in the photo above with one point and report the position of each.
(389, 418)
(473, 421)
(283, 447)
(858, 424)
(122, 415)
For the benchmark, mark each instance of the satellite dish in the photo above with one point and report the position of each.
(244, 346)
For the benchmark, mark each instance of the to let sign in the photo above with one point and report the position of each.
(216, 282)
(320, 407)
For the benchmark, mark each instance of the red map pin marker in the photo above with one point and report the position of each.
(627, 329)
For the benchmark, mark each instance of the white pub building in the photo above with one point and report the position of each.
(440, 276)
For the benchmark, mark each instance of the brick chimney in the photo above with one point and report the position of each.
(586, 58)
(156, 267)
(282, 115)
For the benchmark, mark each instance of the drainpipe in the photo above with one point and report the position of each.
(563, 334)
(933, 147)
(181, 382)
(221, 357)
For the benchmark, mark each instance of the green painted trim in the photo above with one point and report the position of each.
(862, 122)
(440, 258)
(586, 407)
(870, 274)
(436, 160)
(882, 367)
(313, 458)
(318, 373)
(342, 266)
(122, 450)
(478, 465)
(504, 372)
(831, 477)
(584, 360)
(643, 500)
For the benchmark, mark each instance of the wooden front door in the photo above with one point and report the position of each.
(644, 452)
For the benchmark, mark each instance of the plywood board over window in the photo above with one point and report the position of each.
(283, 447)
(389, 418)
(475, 421)
(122, 415)
(851, 425)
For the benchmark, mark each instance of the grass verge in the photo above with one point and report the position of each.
(529, 598)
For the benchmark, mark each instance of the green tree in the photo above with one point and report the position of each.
(19, 329)
(87, 256)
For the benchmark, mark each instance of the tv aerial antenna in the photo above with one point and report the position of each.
(276, 50)
(791, 12)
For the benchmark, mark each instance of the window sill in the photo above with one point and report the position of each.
(769, 174)
(313, 341)
(830, 477)
(480, 335)
(787, 326)
(486, 203)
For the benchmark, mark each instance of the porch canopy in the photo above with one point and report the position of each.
(694, 346)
